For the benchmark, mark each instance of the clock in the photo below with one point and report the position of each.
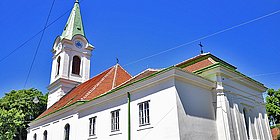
(78, 44)
(59, 46)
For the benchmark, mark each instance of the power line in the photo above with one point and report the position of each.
(159, 121)
(240, 77)
(38, 46)
(206, 36)
(32, 37)
(257, 75)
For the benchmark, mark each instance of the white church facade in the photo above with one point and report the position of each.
(202, 98)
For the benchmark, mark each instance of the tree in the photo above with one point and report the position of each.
(17, 109)
(273, 106)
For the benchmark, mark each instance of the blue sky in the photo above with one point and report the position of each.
(132, 30)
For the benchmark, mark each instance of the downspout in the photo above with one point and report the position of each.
(128, 113)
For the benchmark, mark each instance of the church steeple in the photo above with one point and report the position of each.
(74, 24)
(71, 58)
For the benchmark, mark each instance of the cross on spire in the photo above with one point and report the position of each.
(201, 48)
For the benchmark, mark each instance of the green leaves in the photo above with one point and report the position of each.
(273, 105)
(9, 121)
(17, 109)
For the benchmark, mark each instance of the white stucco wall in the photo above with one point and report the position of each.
(182, 106)
(55, 127)
(163, 115)
(241, 97)
(240, 92)
(196, 112)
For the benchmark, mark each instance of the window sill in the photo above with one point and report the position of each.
(117, 132)
(92, 137)
(142, 125)
(76, 75)
(144, 128)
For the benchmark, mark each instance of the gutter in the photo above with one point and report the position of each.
(128, 113)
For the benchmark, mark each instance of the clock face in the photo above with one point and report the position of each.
(59, 46)
(78, 44)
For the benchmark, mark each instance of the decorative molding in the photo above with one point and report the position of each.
(46, 125)
(115, 134)
(35, 128)
(67, 118)
(145, 128)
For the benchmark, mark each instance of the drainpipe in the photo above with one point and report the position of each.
(128, 113)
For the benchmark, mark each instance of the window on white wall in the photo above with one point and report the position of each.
(115, 120)
(144, 114)
(45, 135)
(92, 122)
(35, 136)
(66, 132)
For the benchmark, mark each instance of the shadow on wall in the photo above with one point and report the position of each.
(195, 102)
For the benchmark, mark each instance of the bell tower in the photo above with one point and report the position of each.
(71, 58)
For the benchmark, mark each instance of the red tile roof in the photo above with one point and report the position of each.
(92, 88)
(201, 61)
(198, 65)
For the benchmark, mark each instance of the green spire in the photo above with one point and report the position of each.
(74, 24)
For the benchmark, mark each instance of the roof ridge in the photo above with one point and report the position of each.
(124, 70)
(200, 55)
(149, 69)
(92, 89)
(115, 75)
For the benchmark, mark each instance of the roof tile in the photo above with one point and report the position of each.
(92, 88)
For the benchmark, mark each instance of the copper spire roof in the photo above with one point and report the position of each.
(74, 25)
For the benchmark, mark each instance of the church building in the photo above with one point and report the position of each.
(201, 98)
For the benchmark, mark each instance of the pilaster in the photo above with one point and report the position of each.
(222, 120)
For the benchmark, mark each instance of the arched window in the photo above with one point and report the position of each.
(45, 135)
(66, 131)
(35, 137)
(58, 65)
(246, 122)
(76, 65)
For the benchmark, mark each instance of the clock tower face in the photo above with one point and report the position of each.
(78, 44)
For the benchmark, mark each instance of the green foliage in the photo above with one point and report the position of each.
(17, 109)
(273, 106)
(278, 137)
(274, 126)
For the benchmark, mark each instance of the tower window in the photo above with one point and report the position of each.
(45, 135)
(66, 131)
(58, 65)
(76, 64)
